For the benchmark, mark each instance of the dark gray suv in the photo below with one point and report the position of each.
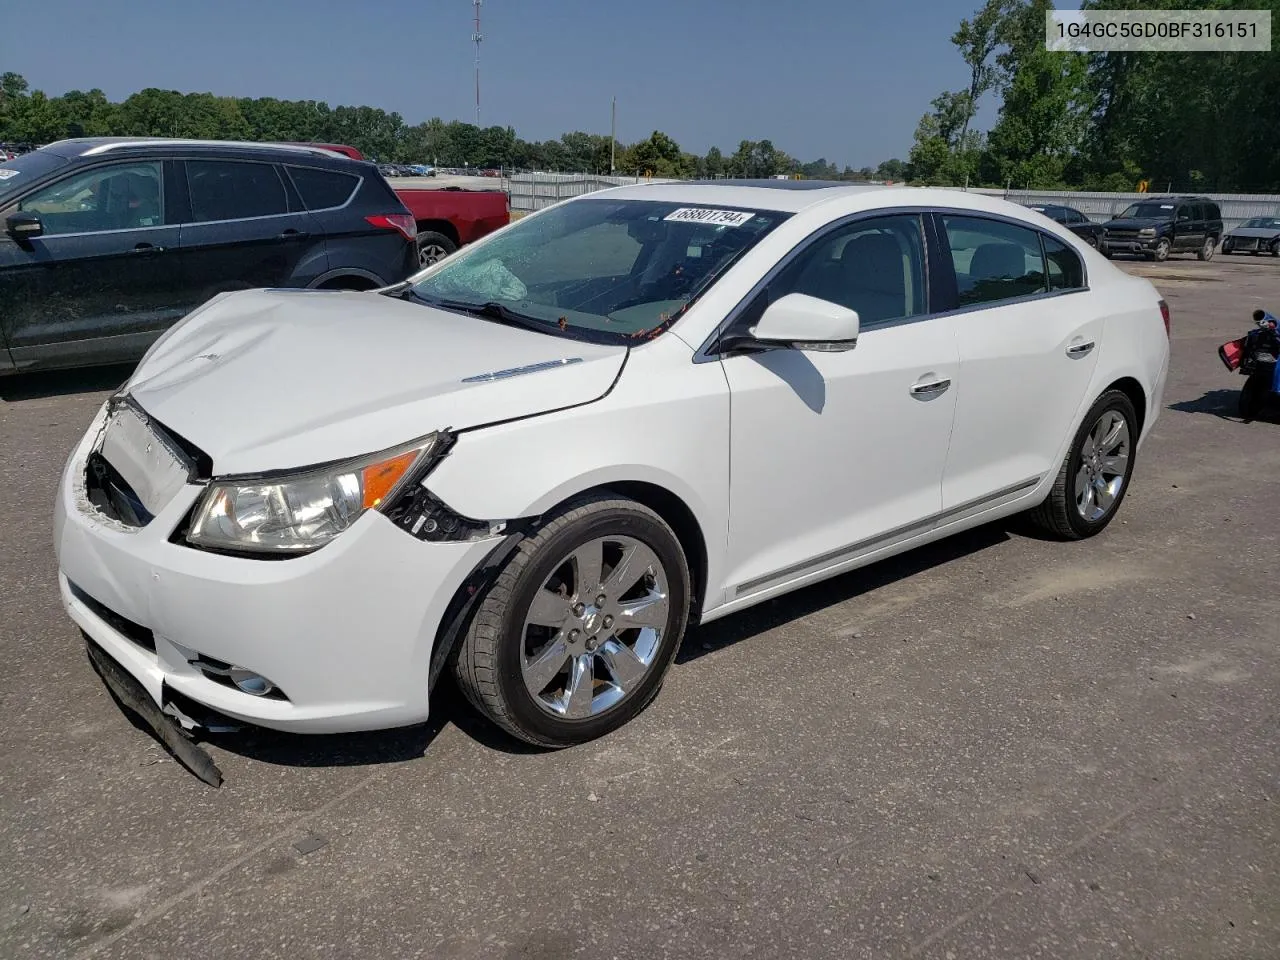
(109, 241)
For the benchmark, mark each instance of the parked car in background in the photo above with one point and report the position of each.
(1259, 235)
(109, 241)
(446, 218)
(1073, 220)
(1160, 226)
(539, 462)
(451, 217)
(422, 170)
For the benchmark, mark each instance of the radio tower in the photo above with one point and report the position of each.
(476, 37)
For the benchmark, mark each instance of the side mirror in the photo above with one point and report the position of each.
(800, 322)
(23, 226)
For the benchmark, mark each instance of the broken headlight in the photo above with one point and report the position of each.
(299, 513)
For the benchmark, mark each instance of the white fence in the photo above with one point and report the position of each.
(533, 191)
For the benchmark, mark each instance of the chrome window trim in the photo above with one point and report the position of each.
(706, 352)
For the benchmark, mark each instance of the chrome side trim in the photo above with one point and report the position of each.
(520, 371)
(871, 544)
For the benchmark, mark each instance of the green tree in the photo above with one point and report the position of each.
(658, 155)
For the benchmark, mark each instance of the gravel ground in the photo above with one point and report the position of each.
(997, 746)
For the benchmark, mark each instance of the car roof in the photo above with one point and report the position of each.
(106, 146)
(784, 197)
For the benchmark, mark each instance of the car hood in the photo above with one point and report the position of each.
(1135, 223)
(270, 379)
(1263, 233)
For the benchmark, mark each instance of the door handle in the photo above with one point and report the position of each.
(145, 248)
(927, 391)
(1080, 349)
(292, 234)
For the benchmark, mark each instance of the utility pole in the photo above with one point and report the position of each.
(613, 132)
(476, 37)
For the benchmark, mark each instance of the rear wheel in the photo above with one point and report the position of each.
(1094, 476)
(1253, 396)
(577, 632)
(433, 247)
(1091, 240)
(1275, 248)
(1206, 251)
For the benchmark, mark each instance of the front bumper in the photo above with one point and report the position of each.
(1130, 244)
(345, 633)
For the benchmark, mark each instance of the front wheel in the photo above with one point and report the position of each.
(1094, 475)
(1161, 252)
(577, 632)
(433, 247)
(1275, 248)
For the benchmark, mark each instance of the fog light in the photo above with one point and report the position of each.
(249, 682)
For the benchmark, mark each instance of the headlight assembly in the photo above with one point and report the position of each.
(299, 513)
(1147, 232)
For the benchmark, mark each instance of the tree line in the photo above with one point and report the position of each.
(32, 117)
(1103, 121)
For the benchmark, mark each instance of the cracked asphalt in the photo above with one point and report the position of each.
(997, 746)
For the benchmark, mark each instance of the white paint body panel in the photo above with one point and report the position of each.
(793, 466)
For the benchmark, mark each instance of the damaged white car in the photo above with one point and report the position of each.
(537, 463)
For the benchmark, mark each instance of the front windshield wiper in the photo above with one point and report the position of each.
(492, 310)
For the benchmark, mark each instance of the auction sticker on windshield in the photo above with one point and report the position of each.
(719, 218)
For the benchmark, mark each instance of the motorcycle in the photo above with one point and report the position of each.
(1255, 355)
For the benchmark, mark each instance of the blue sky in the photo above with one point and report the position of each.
(843, 79)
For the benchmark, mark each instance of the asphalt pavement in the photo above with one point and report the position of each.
(997, 746)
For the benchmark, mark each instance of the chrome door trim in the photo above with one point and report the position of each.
(872, 544)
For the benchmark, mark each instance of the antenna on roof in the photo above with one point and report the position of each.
(476, 37)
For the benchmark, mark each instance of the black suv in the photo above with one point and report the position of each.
(108, 241)
(1164, 225)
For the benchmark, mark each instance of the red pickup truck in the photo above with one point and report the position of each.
(447, 217)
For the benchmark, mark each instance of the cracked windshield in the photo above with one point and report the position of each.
(601, 269)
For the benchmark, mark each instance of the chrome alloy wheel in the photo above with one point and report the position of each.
(430, 253)
(1104, 465)
(594, 627)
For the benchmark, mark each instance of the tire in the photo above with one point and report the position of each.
(1161, 252)
(1206, 250)
(1106, 252)
(502, 660)
(1062, 514)
(433, 247)
(1275, 248)
(1092, 241)
(1253, 396)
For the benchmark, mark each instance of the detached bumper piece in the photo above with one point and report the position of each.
(129, 692)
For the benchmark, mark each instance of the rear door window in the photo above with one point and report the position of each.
(994, 260)
(234, 190)
(323, 189)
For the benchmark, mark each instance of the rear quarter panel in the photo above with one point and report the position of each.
(1134, 343)
(472, 213)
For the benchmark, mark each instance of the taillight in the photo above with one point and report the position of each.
(1164, 314)
(403, 222)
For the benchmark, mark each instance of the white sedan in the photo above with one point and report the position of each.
(538, 462)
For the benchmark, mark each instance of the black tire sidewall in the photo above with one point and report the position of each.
(1253, 396)
(1112, 400)
(431, 238)
(508, 674)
